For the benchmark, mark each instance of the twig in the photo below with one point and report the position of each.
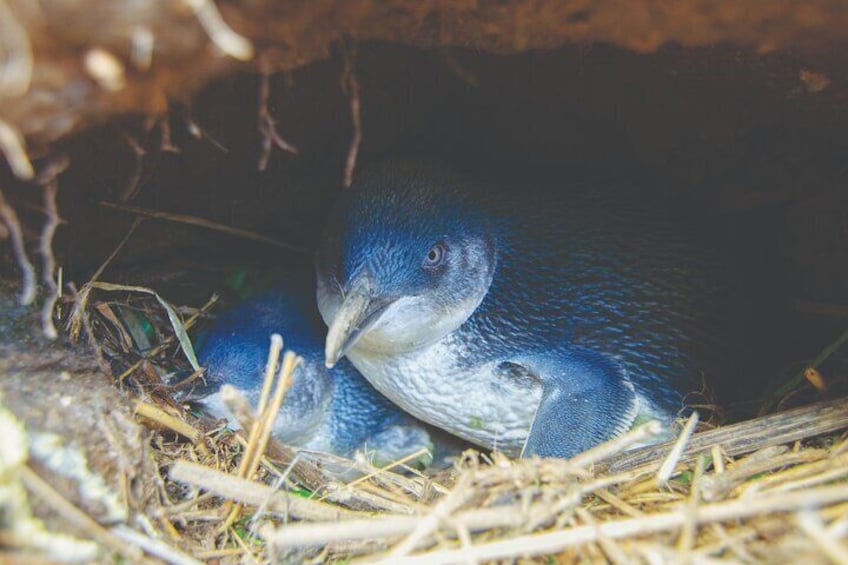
(262, 510)
(307, 473)
(260, 432)
(464, 537)
(250, 456)
(216, 554)
(748, 436)
(164, 419)
(795, 381)
(247, 556)
(617, 444)
(811, 524)
(439, 515)
(10, 218)
(256, 494)
(177, 509)
(385, 469)
(201, 222)
(154, 547)
(686, 540)
(612, 550)
(351, 83)
(268, 125)
(618, 503)
(359, 498)
(131, 187)
(673, 457)
(551, 542)
(514, 516)
(222, 35)
(717, 486)
(304, 535)
(717, 455)
(274, 351)
(825, 473)
(78, 315)
(74, 515)
(272, 410)
(79, 318)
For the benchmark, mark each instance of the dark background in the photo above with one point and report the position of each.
(748, 143)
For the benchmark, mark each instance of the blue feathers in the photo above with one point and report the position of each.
(593, 301)
(327, 410)
(534, 328)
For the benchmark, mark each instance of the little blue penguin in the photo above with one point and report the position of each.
(532, 327)
(328, 410)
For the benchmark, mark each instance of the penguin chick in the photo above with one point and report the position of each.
(329, 410)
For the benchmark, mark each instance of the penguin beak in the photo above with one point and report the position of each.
(358, 312)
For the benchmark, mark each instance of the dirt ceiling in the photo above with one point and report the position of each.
(67, 64)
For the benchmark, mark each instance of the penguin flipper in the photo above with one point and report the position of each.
(586, 400)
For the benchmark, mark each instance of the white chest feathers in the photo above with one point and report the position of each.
(471, 400)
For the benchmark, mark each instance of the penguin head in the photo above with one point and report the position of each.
(405, 259)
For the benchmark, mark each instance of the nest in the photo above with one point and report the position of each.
(771, 489)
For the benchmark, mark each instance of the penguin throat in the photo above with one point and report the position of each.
(413, 322)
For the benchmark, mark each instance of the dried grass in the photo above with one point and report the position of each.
(771, 489)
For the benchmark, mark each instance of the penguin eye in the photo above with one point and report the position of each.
(435, 257)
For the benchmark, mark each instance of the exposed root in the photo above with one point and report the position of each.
(268, 125)
(45, 246)
(166, 143)
(351, 86)
(131, 188)
(16, 236)
(13, 147)
(222, 35)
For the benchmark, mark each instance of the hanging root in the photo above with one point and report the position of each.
(49, 179)
(16, 236)
(13, 148)
(267, 124)
(351, 84)
(222, 35)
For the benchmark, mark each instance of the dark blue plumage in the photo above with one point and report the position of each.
(578, 314)
(324, 410)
